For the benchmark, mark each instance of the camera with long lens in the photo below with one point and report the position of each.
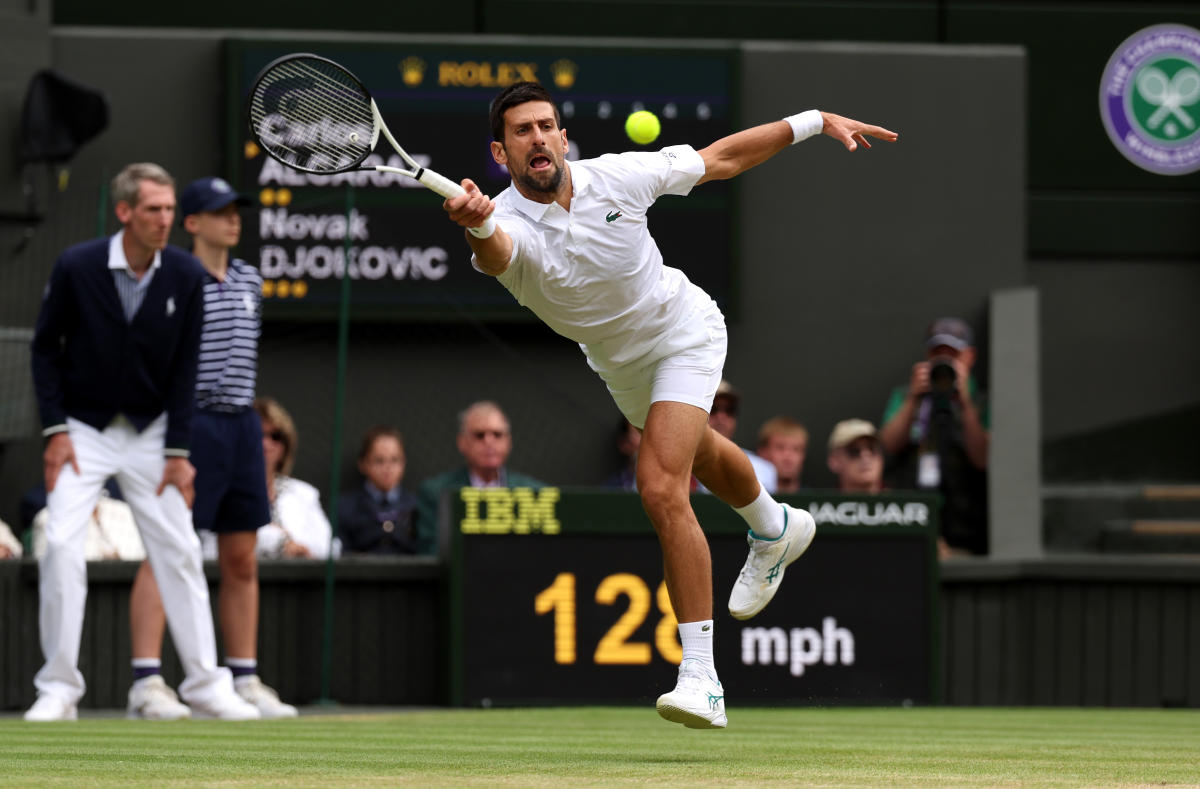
(942, 375)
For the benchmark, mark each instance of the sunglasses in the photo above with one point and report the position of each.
(854, 453)
(277, 436)
(480, 435)
(724, 408)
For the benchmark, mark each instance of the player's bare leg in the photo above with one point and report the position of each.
(725, 470)
(670, 439)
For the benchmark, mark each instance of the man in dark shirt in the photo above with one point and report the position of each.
(114, 365)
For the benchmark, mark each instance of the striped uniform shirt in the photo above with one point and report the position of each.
(225, 378)
(130, 290)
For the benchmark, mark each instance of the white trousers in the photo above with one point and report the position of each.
(165, 524)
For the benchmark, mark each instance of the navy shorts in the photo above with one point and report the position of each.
(231, 479)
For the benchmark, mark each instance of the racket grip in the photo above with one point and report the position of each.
(440, 184)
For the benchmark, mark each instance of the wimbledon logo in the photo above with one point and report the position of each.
(1150, 99)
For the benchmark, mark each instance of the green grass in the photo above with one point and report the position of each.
(924, 747)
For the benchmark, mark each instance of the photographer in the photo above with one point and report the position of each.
(935, 434)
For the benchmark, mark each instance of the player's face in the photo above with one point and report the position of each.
(786, 453)
(859, 464)
(384, 464)
(148, 223)
(221, 228)
(534, 148)
(485, 441)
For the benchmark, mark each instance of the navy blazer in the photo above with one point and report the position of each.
(91, 364)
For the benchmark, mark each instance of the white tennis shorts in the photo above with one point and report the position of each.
(684, 368)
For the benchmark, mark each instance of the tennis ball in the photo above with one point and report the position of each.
(642, 127)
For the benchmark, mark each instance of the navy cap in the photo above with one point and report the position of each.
(951, 332)
(208, 194)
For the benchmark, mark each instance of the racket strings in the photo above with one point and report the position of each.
(312, 115)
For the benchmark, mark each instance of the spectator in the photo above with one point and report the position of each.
(784, 443)
(484, 441)
(935, 435)
(134, 305)
(379, 517)
(10, 546)
(723, 418)
(856, 456)
(298, 527)
(111, 534)
(628, 440)
(231, 501)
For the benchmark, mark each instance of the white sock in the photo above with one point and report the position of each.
(697, 639)
(764, 515)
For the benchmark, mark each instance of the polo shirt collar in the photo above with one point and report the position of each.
(116, 254)
(581, 179)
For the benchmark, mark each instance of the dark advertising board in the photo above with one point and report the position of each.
(406, 260)
(559, 599)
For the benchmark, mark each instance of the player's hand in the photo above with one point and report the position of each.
(918, 384)
(471, 209)
(852, 133)
(182, 474)
(59, 452)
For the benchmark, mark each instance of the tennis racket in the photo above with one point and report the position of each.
(314, 116)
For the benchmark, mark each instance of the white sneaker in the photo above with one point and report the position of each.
(227, 707)
(150, 698)
(763, 571)
(698, 700)
(49, 707)
(264, 698)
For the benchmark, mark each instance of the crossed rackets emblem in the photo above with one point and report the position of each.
(1170, 96)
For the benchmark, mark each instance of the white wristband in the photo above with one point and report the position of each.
(805, 125)
(483, 231)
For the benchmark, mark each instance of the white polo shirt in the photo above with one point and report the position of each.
(594, 274)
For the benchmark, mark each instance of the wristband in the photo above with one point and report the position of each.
(483, 231)
(805, 125)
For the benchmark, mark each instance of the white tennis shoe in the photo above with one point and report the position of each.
(762, 573)
(698, 700)
(49, 707)
(267, 701)
(226, 706)
(152, 699)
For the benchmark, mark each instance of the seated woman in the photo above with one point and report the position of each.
(379, 517)
(298, 527)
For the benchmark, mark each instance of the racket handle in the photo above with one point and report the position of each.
(447, 188)
(440, 184)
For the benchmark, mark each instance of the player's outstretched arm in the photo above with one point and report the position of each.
(737, 153)
(470, 210)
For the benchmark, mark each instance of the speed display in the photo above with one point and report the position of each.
(559, 599)
(406, 260)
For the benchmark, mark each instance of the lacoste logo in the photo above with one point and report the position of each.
(614, 216)
(170, 306)
(706, 628)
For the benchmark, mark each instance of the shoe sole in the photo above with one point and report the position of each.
(688, 718)
(794, 554)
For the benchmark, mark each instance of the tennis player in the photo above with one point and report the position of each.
(114, 365)
(572, 244)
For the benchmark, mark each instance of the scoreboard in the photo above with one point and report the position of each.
(407, 261)
(558, 598)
